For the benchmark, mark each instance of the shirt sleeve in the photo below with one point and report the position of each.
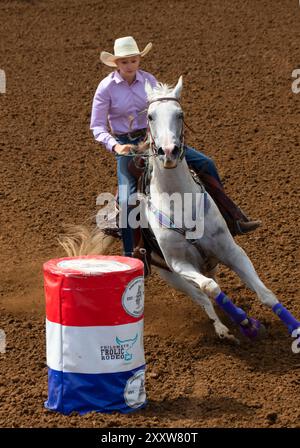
(99, 117)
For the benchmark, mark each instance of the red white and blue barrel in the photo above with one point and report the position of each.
(94, 332)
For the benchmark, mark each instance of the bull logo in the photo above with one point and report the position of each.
(127, 344)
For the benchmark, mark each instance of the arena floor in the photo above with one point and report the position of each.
(236, 58)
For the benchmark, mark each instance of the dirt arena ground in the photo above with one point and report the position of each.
(236, 58)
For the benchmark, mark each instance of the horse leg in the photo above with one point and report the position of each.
(239, 262)
(188, 267)
(251, 328)
(179, 283)
(213, 273)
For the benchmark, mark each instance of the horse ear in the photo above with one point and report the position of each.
(178, 88)
(148, 88)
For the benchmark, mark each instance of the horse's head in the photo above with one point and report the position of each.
(165, 120)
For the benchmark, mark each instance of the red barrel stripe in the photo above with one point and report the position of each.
(75, 298)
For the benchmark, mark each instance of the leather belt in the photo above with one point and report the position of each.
(135, 134)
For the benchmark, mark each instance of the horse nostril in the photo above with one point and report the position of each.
(160, 151)
(176, 151)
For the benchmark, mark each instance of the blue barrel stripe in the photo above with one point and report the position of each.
(82, 393)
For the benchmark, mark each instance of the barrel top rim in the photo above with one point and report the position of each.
(55, 266)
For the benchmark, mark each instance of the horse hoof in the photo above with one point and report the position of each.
(253, 330)
(262, 331)
(230, 338)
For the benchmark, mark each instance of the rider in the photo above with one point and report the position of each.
(119, 100)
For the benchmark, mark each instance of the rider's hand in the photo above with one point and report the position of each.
(122, 149)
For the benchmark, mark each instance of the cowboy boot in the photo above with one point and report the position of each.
(245, 225)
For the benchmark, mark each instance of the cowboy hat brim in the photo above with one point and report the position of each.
(109, 59)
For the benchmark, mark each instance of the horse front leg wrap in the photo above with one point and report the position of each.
(249, 327)
(238, 315)
(287, 318)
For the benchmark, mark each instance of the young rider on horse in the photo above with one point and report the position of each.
(120, 100)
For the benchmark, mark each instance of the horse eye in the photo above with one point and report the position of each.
(180, 115)
(150, 118)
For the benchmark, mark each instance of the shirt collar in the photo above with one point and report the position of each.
(139, 76)
(118, 78)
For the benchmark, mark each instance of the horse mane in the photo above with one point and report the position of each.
(160, 90)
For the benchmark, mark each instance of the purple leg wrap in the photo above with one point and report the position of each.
(286, 317)
(236, 314)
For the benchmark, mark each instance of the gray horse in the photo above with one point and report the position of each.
(189, 252)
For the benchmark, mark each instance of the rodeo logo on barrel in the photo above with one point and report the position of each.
(120, 351)
(133, 297)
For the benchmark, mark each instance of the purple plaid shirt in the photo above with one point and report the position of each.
(118, 104)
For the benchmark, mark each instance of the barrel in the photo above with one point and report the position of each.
(94, 334)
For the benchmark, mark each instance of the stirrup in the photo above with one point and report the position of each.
(141, 254)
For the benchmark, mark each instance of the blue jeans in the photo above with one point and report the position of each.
(195, 159)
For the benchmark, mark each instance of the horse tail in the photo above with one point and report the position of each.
(81, 240)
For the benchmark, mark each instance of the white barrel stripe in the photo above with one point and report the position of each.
(54, 345)
(105, 349)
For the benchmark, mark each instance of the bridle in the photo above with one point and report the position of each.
(153, 147)
(163, 219)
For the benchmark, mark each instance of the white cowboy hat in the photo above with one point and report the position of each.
(123, 48)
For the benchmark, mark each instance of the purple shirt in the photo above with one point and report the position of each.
(118, 103)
